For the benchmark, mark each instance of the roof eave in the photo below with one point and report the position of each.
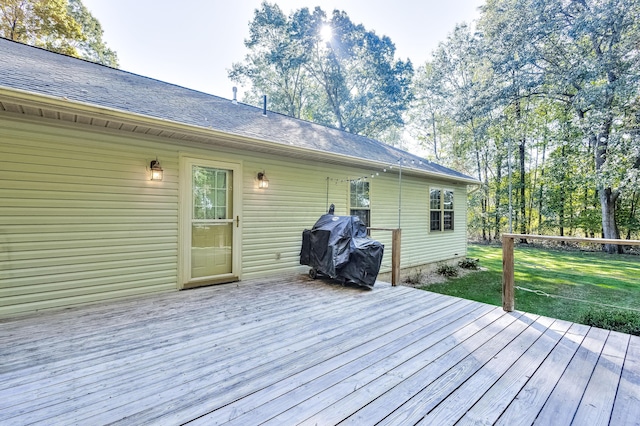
(38, 100)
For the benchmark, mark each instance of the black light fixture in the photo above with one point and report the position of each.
(156, 170)
(263, 182)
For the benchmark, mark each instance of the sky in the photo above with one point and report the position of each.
(192, 43)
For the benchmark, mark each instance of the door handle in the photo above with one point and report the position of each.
(237, 221)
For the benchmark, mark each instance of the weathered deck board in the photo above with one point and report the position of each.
(597, 402)
(155, 365)
(142, 354)
(627, 406)
(149, 321)
(459, 401)
(567, 394)
(226, 380)
(141, 379)
(330, 388)
(288, 350)
(538, 387)
(461, 366)
(396, 385)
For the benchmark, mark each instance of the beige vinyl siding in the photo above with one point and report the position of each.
(79, 220)
(297, 195)
(272, 219)
(419, 246)
(275, 218)
(449, 244)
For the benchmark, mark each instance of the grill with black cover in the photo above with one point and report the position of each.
(338, 247)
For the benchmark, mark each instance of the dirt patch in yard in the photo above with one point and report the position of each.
(424, 279)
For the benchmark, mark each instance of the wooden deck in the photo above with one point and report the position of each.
(293, 351)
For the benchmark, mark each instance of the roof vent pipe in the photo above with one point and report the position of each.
(235, 95)
(264, 105)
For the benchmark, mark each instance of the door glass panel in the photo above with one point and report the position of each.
(211, 194)
(211, 249)
(212, 222)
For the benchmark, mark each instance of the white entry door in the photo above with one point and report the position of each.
(210, 222)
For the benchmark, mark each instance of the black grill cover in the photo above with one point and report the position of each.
(338, 246)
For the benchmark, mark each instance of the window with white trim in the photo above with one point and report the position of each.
(360, 204)
(440, 209)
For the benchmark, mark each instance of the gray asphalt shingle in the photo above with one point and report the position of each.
(39, 71)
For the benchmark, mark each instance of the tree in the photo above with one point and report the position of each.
(583, 53)
(91, 46)
(274, 64)
(366, 88)
(462, 83)
(427, 111)
(42, 23)
(349, 80)
(599, 40)
(55, 25)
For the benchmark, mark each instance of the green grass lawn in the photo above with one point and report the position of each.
(596, 277)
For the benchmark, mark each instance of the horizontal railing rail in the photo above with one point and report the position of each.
(508, 279)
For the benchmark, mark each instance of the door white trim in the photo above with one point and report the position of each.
(184, 222)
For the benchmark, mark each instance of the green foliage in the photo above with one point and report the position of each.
(91, 46)
(542, 105)
(469, 263)
(43, 23)
(447, 270)
(274, 64)
(350, 81)
(56, 25)
(618, 320)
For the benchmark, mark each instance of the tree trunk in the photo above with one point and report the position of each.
(608, 200)
(541, 188)
(632, 213)
(561, 213)
(608, 196)
(523, 199)
(498, 190)
(521, 155)
(563, 177)
(532, 190)
(435, 140)
(483, 202)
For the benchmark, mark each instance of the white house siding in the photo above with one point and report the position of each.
(81, 222)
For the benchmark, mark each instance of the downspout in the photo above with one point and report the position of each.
(473, 191)
(400, 195)
(327, 207)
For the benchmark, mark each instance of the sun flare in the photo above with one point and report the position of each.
(326, 33)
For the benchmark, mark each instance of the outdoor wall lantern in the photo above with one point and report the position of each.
(156, 170)
(263, 182)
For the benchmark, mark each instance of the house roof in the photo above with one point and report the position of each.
(38, 71)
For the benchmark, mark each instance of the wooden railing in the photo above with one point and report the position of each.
(396, 239)
(508, 281)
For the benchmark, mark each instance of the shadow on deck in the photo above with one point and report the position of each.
(293, 351)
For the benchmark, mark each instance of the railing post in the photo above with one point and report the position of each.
(508, 292)
(395, 256)
(508, 281)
